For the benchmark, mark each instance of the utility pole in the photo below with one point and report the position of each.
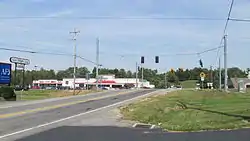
(220, 73)
(211, 74)
(142, 74)
(136, 74)
(225, 62)
(74, 75)
(97, 62)
(165, 80)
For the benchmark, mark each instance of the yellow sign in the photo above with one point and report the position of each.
(202, 74)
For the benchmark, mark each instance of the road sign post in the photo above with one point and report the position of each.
(19, 64)
(202, 76)
(202, 82)
(87, 78)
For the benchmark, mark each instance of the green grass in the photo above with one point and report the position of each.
(189, 84)
(193, 111)
(45, 94)
(34, 94)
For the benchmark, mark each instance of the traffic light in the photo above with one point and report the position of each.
(201, 64)
(156, 59)
(142, 60)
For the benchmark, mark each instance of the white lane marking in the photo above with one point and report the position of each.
(6, 107)
(74, 116)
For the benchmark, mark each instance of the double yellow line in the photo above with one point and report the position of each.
(57, 106)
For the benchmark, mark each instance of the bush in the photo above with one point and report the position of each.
(7, 93)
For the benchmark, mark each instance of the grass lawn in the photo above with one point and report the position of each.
(192, 110)
(189, 84)
(44, 94)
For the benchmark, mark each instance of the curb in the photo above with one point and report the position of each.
(147, 126)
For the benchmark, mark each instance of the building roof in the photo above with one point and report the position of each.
(236, 80)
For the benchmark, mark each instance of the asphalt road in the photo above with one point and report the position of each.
(12, 104)
(15, 119)
(106, 133)
(88, 121)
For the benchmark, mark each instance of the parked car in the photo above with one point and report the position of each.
(19, 88)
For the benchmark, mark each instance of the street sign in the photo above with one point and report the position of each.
(202, 74)
(20, 66)
(19, 60)
(202, 78)
(5, 73)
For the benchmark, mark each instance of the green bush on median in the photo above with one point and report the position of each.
(7, 93)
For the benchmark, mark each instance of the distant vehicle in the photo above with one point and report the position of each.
(129, 86)
(104, 88)
(50, 88)
(179, 87)
(19, 88)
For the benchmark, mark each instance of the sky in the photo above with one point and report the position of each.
(123, 41)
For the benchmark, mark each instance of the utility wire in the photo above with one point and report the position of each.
(209, 50)
(239, 20)
(228, 17)
(48, 53)
(176, 54)
(224, 31)
(112, 18)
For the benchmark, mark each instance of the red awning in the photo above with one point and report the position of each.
(106, 81)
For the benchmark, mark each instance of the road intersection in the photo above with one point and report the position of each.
(91, 117)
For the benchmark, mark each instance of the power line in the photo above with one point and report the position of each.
(239, 20)
(111, 18)
(228, 17)
(209, 50)
(47, 53)
(87, 60)
(224, 31)
(174, 54)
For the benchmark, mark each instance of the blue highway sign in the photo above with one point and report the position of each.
(5, 73)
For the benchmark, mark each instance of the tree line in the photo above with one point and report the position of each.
(160, 80)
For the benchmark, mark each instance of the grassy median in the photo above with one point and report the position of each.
(193, 110)
(45, 94)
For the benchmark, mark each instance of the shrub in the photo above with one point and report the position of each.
(7, 92)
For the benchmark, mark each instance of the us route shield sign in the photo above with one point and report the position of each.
(5, 73)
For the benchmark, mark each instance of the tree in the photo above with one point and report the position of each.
(129, 74)
(81, 72)
(121, 73)
(149, 74)
(172, 78)
(236, 72)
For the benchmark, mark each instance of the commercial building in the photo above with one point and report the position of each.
(108, 81)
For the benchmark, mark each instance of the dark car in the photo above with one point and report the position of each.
(19, 88)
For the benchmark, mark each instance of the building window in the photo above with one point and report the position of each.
(67, 82)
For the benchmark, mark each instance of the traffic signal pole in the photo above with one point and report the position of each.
(136, 75)
(142, 74)
(220, 73)
(225, 62)
(97, 62)
(142, 62)
(165, 80)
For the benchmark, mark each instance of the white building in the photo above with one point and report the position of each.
(104, 80)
